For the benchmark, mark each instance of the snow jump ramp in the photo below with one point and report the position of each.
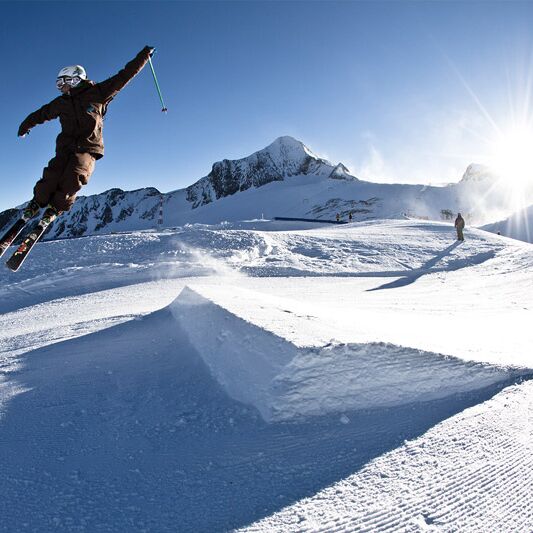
(271, 353)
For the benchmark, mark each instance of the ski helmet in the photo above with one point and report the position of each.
(72, 75)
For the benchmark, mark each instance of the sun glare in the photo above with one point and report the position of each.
(512, 156)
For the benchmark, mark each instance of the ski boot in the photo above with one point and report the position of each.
(49, 215)
(31, 210)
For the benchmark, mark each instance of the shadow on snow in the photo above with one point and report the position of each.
(125, 430)
(428, 268)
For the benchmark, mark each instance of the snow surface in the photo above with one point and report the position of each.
(277, 357)
(517, 226)
(471, 472)
(269, 376)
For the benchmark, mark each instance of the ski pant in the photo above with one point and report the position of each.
(64, 176)
(460, 236)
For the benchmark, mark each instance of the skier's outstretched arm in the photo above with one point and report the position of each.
(45, 113)
(110, 87)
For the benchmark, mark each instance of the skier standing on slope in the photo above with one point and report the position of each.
(80, 109)
(459, 226)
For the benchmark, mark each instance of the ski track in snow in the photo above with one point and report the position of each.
(114, 417)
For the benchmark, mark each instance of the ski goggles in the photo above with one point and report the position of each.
(68, 80)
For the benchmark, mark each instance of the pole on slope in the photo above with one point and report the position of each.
(163, 107)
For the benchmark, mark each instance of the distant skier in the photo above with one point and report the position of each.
(80, 109)
(459, 226)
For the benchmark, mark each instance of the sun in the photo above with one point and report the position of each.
(512, 156)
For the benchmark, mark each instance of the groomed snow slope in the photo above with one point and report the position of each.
(117, 415)
(472, 472)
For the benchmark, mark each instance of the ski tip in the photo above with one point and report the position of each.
(13, 268)
(15, 262)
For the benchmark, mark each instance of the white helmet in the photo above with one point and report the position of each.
(71, 75)
(75, 71)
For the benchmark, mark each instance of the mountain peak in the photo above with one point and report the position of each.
(287, 140)
(476, 173)
(283, 158)
(287, 147)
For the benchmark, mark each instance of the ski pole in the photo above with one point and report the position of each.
(163, 109)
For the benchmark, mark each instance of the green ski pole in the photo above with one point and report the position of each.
(163, 109)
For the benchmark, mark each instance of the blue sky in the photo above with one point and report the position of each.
(398, 91)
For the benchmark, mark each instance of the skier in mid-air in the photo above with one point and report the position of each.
(80, 109)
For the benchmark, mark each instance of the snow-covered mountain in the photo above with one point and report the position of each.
(284, 158)
(285, 179)
(518, 226)
(478, 173)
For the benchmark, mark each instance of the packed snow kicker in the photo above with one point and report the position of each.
(269, 376)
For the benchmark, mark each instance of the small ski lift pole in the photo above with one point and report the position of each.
(163, 108)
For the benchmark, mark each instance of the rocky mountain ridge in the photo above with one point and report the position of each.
(284, 179)
(284, 158)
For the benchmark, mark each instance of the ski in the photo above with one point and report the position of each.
(11, 234)
(31, 210)
(20, 254)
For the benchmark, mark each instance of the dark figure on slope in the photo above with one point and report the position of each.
(459, 226)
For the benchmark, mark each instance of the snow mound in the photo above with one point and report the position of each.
(269, 352)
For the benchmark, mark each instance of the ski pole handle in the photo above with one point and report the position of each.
(163, 107)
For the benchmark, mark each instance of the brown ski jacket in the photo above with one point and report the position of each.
(82, 111)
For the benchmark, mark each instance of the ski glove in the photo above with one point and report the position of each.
(23, 132)
(152, 51)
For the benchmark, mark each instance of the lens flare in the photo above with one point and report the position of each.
(511, 159)
(512, 156)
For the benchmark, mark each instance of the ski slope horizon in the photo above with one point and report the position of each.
(269, 376)
(286, 179)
